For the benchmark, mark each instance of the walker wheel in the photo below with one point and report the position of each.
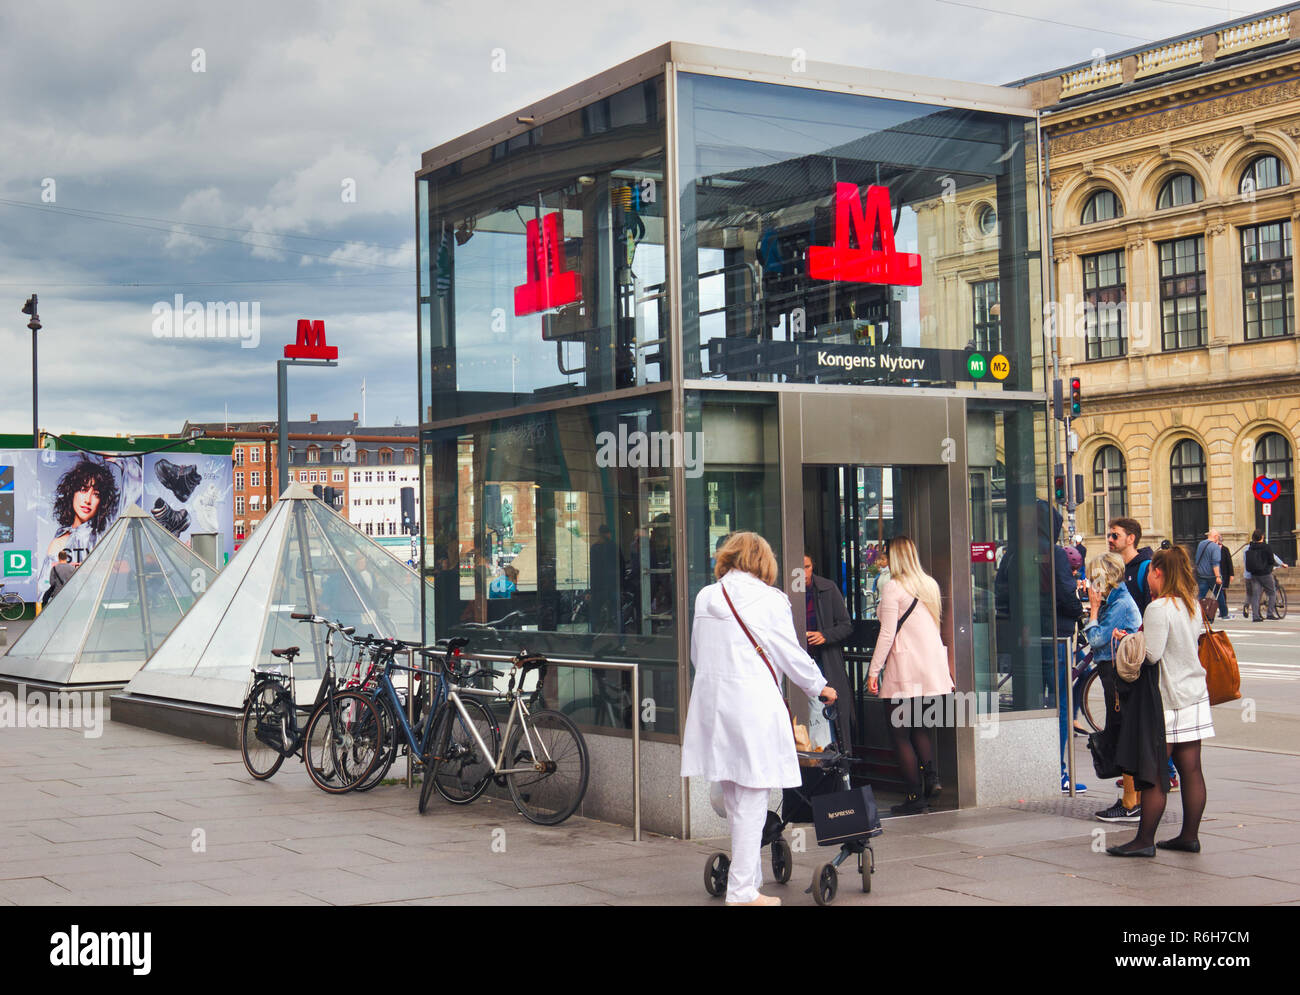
(867, 865)
(782, 860)
(825, 884)
(715, 874)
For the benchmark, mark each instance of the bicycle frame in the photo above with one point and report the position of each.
(388, 692)
(518, 709)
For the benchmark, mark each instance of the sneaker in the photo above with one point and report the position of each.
(1118, 813)
(1079, 789)
(1173, 782)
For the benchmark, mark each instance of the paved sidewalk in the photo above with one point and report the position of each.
(137, 817)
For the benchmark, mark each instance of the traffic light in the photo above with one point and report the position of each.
(1059, 483)
(1058, 404)
(1076, 397)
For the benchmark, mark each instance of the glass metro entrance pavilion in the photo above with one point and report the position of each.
(704, 292)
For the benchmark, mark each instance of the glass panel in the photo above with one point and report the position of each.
(792, 200)
(547, 262)
(556, 530)
(1012, 604)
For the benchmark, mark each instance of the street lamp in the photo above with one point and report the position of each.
(35, 325)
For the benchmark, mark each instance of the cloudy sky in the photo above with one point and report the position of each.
(128, 177)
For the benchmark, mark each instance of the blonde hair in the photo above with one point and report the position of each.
(905, 568)
(1106, 571)
(747, 551)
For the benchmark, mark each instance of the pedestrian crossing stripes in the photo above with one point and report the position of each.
(1269, 671)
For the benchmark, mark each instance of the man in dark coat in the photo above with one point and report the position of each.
(828, 628)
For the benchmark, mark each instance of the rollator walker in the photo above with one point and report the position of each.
(857, 807)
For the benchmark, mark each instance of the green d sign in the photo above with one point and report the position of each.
(18, 562)
(976, 366)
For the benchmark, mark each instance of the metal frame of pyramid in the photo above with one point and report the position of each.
(303, 557)
(108, 619)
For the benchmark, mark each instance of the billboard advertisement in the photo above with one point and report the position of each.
(65, 501)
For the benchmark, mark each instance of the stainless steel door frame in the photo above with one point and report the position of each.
(926, 434)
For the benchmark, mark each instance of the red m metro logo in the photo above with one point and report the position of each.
(864, 264)
(311, 342)
(549, 285)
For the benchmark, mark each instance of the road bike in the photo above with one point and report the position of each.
(542, 759)
(339, 743)
(12, 605)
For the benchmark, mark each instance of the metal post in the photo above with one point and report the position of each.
(636, 754)
(282, 392)
(282, 457)
(36, 432)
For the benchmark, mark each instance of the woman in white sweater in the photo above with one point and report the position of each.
(1171, 625)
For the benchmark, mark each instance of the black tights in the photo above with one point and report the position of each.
(1187, 759)
(913, 747)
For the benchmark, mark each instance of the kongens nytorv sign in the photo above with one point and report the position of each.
(889, 363)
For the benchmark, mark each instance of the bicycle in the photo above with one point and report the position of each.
(12, 605)
(416, 736)
(1279, 604)
(542, 759)
(337, 745)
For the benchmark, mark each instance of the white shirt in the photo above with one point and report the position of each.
(737, 727)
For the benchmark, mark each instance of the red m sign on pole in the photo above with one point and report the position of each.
(549, 285)
(864, 264)
(311, 342)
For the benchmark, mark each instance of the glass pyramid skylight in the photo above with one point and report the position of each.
(115, 611)
(303, 557)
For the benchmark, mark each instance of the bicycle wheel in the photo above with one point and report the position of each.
(265, 728)
(391, 736)
(1093, 699)
(12, 608)
(343, 742)
(1280, 603)
(459, 770)
(549, 796)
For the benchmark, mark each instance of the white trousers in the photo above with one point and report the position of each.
(746, 816)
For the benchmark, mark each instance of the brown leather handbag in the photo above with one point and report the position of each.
(1219, 659)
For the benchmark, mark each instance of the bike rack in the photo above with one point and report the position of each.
(632, 668)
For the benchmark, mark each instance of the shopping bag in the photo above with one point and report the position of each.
(845, 815)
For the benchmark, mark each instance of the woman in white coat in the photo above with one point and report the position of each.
(737, 727)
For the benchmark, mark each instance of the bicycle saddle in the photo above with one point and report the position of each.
(289, 652)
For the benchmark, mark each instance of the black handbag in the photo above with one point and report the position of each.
(846, 815)
(1102, 748)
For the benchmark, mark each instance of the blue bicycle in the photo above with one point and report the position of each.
(419, 735)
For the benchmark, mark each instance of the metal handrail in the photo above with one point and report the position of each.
(633, 668)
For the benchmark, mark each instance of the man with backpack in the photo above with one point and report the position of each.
(1260, 561)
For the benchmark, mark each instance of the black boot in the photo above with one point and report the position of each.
(930, 781)
(912, 804)
(174, 520)
(180, 480)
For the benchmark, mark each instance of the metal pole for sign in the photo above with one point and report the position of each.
(282, 436)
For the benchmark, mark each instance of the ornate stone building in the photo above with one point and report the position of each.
(1173, 175)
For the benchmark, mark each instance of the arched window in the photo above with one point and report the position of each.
(1109, 487)
(385, 457)
(1189, 494)
(363, 457)
(1102, 206)
(1179, 189)
(1264, 172)
(987, 220)
(1273, 459)
(408, 456)
(313, 454)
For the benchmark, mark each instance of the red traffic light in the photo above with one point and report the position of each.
(1076, 396)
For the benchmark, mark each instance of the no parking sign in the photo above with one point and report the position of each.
(1266, 489)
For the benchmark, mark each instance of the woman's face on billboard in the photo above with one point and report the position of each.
(85, 502)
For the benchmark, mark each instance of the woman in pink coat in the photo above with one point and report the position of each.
(911, 653)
